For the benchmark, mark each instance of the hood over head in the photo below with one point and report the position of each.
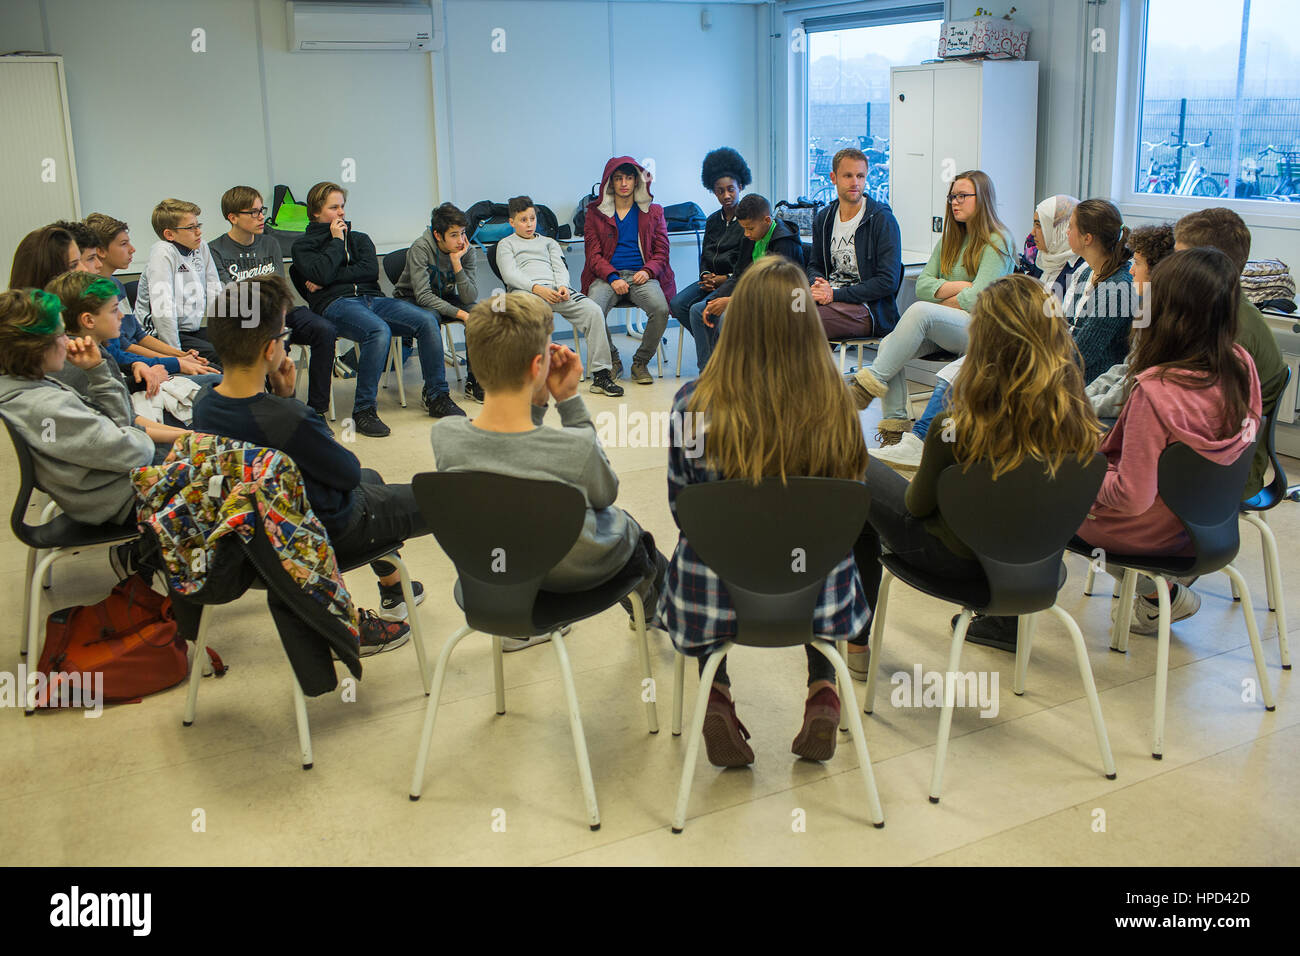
(641, 195)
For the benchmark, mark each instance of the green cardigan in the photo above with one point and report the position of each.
(995, 262)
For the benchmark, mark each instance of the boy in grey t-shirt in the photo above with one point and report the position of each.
(519, 369)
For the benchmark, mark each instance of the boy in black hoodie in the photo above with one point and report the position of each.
(339, 273)
(763, 236)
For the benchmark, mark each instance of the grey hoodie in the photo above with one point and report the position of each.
(428, 279)
(83, 447)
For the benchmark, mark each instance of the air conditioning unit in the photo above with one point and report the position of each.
(335, 27)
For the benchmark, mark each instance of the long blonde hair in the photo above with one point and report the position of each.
(773, 400)
(984, 228)
(1020, 392)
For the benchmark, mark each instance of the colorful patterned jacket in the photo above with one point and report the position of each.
(224, 514)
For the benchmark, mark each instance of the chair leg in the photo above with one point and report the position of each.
(304, 731)
(1092, 577)
(577, 347)
(431, 710)
(1273, 575)
(647, 675)
(679, 678)
(34, 621)
(1124, 613)
(833, 655)
(1024, 646)
(696, 732)
(949, 701)
(1256, 648)
(451, 358)
(843, 351)
(575, 726)
(1162, 667)
(681, 343)
(1236, 595)
(499, 674)
(395, 358)
(1089, 689)
(412, 617)
(845, 691)
(877, 639)
(47, 513)
(30, 581)
(196, 669)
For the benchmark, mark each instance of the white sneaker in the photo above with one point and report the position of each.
(903, 457)
(1145, 619)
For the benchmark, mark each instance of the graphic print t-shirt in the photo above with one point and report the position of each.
(843, 253)
(236, 263)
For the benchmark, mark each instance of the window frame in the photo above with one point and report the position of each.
(1126, 160)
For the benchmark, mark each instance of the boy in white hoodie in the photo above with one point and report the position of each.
(180, 281)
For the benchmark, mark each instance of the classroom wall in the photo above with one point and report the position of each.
(154, 117)
(579, 82)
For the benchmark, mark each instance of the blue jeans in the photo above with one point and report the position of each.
(680, 307)
(705, 338)
(936, 405)
(371, 321)
(924, 327)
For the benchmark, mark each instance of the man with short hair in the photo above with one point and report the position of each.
(247, 252)
(856, 268)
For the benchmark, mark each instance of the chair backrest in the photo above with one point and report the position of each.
(1206, 498)
(26, 484)
(131, 288)
(394, 265)
(1019, 525)
(773, 546)
(503, 535)
(298, 281)
(1275, 490)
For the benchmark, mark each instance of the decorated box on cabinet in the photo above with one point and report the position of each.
(990, 37)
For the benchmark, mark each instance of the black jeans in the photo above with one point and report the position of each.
(319, 335)
(198, 340)
(382, 516)
(890, 524)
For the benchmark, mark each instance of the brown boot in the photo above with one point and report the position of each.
(891, 431)
(865, 386)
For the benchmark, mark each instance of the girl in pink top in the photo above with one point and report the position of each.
(1188, 382)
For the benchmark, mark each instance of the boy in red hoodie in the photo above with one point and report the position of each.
(627, 257)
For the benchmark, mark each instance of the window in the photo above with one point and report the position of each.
(1220, 101)
(848, 95)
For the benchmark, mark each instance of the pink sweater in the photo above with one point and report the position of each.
(1128, 516)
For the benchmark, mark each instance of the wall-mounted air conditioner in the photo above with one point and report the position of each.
(335, 27)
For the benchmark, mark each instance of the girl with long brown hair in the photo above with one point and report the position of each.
(772, 405)
(975, 250)
(1017, 401)
(1189, 382)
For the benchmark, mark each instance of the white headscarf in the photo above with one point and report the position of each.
(1054, 218)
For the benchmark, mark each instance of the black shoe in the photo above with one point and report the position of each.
(441, 406)
(122, 559)
(473, 390)
(991, 630)
(378, 635)
(392, 605)
(367, 423)
(603, 384)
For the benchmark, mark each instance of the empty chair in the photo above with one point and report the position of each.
(1018, 527)
(504, 535)
(774, 571)
(1205, 497)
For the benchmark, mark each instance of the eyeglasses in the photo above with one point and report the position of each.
(196, 226)
(959, 197)
(283, 337)
(259, 212)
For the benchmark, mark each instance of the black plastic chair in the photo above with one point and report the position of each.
(58, 536)
(504, 535)
(1252, 510)
(1018, 527)
(1205, 497)
(132, 288)
(775, 572)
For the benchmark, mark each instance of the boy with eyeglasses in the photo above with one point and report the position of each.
(247, 252)
(180, 280)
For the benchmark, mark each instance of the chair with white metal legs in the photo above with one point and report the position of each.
(775, 573)
(1205, 498)
(304, 361)
(299, 699)
(848, 343)
(1253, 510)
(504, 535)
(56, 537)
(1018, 527)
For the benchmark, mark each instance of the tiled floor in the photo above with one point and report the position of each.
(1024, 786)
